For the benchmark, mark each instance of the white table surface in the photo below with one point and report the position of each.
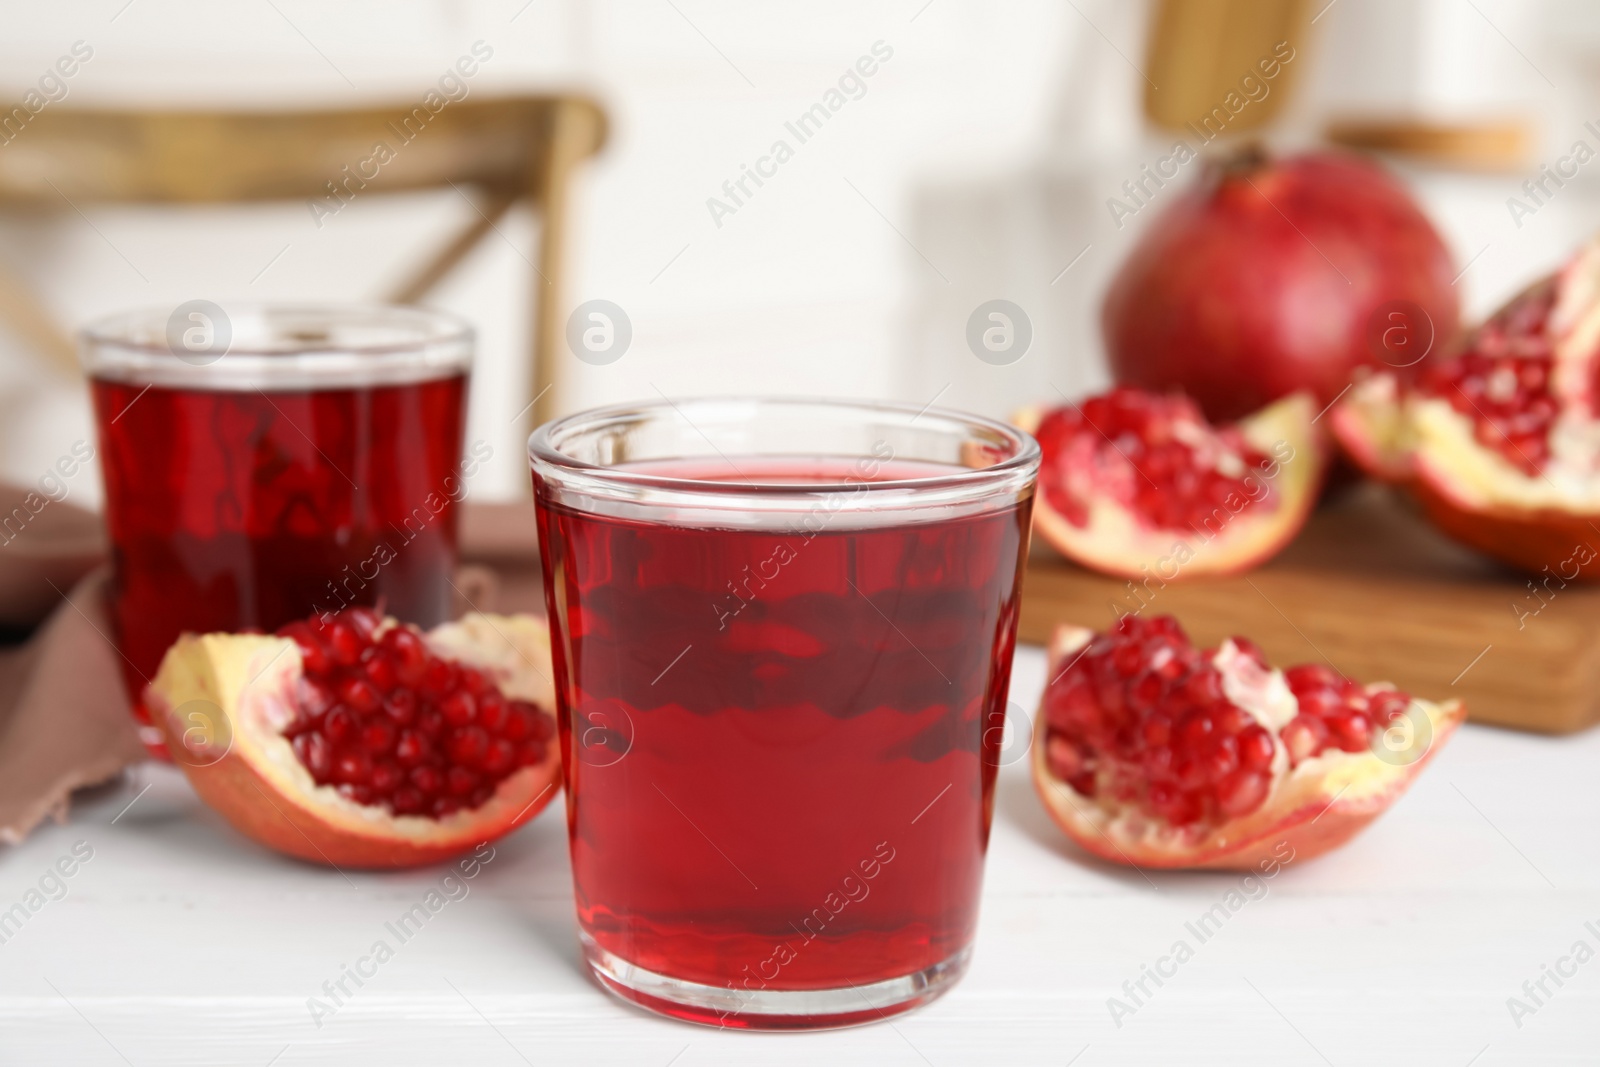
(181, 943)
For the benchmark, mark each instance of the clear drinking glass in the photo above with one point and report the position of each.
(783, 634)
(265, 463)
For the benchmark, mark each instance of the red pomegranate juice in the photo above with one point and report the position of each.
(239, 510)
(781, 744)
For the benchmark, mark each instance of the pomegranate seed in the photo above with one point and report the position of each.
(467, 745)
(520, 716)
(445, 806)
(1203, 687)
(1222, 758)
(344, 643)
(1242, 792)
(431, 723)
(407, 800)
(339, 725)
(386, 777)
(1157, 731)
(1190, 771)
(1256, 748)
(427, 779)
(1158, 763)
(317, 754)
(1309, 676)
(1304, 737)
(377, 736)
(412, 748)
(1388, 705)
(354, 768)
(1230, 720)
(473, 681)
(492, 710)
(459, 708)
(380, 670)
(1146, 693)
(359, 695)
(438, 679)
(502, 757)
(1173, 805)
(361, 794)
(1194, 729)
(1321, 702)
(401, 706)
(1350, 730)
(409, 653)
(460, 781)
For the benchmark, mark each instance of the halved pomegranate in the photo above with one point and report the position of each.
(362, 742)
(1140, 485)
(1151, 752)
(1501, 442)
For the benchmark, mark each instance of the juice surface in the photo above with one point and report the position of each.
(781, 744)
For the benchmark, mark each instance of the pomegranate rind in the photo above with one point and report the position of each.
(1476, 496)
(1312, 808)
(1115, 541)
(247, 771)
(1536, 523)
(1542, 541)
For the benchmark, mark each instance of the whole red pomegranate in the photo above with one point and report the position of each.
(1271, 276)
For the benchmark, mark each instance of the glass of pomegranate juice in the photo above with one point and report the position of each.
(782, 639)
(265, 463)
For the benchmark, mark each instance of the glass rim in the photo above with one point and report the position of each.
(404, 344)
(545, 455)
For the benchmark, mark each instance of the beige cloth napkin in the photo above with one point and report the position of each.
(64, 719)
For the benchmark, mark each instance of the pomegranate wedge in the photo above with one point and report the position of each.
(1501, 443)
(362, 742)
(1151, 752)
(1139, 485)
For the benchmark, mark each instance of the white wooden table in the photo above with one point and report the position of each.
(180, 943)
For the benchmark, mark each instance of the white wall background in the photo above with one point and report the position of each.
(975, 166)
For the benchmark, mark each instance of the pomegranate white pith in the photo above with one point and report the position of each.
(1296, 770)
(226, 700)
(1172, 495)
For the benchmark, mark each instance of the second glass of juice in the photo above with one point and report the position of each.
(783, 635)
(263, 464)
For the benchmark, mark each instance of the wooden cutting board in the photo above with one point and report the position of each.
(1371, 589)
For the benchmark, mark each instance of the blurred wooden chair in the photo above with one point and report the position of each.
(1199, 50)
(509, 150)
